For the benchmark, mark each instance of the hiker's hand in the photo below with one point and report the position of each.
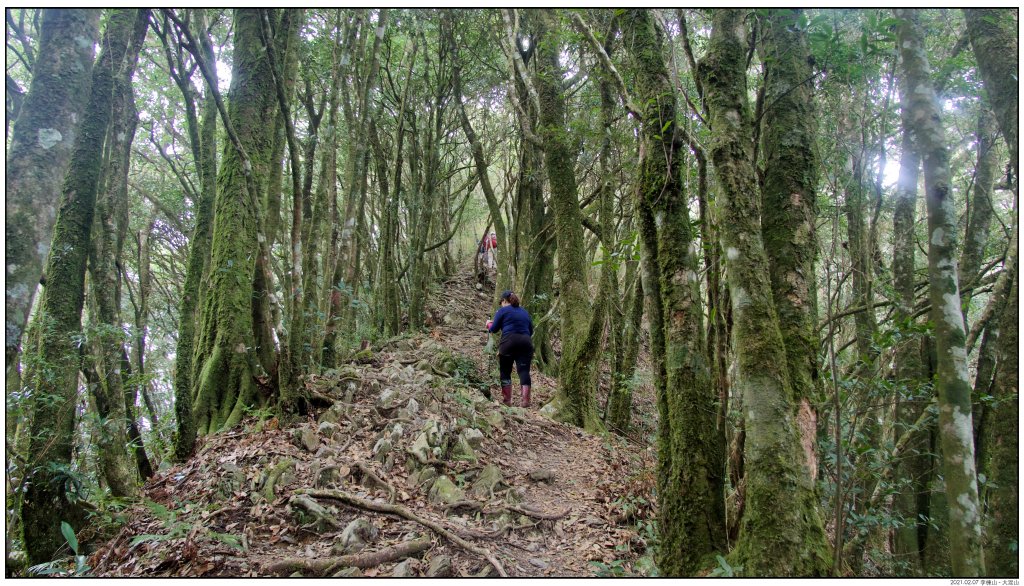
(490, 322)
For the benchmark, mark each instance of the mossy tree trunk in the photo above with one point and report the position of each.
(581, 326)
(196, 272)
(348, 230)
(790, 208)
(691, 460)
(911, 502)
(224, 356)
(1003, 527)
(781, 531)
(53, 372)
(105, 258)
(40, 151)
(994, 40)
(954, 389)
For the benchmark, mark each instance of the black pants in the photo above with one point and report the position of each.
(517, 348)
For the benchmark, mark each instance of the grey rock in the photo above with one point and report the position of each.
(473, 437)
(463, 451)
(543, 475)
(406, 569)
(421, 448)
(306, 438)
(396, 433)
(440, 567)
(539, 563)
(381, 449)
(426, 477)
(486, 483)
(388, 399)
(356, 536)
(445, 492)
(328, 429)
(348, 573)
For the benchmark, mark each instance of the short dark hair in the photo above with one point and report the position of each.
(510, 297)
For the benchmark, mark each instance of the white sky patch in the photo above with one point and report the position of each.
(731, 253)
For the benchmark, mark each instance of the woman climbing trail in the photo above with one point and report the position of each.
(516, 345)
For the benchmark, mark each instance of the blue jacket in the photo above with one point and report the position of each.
(512, 320)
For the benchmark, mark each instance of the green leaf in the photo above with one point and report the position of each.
(69, 534)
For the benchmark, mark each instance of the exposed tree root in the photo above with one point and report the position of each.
(405, 513)
(534, 514)
(274, 475)
(368, 473)
(316, 509)
(358, 560)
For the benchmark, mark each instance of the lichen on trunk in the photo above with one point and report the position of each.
(781, 531)
(224, 356)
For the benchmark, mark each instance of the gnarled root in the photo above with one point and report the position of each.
(357, 560)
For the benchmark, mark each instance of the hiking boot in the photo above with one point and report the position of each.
(526, 395)
(506, 394)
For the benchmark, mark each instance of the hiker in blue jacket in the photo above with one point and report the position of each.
(516, 345)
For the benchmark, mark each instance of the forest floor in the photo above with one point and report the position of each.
(405, 469)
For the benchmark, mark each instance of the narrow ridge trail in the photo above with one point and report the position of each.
(405, 469)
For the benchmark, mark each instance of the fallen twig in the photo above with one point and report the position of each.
(405, 513)
(357, 560)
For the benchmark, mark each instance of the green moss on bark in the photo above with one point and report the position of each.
(781, 532)
(224, 355)
(53, 375)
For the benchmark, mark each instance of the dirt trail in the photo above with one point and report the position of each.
(405, 424)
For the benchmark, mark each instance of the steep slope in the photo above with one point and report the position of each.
(408, 469)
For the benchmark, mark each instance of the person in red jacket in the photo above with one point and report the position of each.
(491, 249)
(516, 345)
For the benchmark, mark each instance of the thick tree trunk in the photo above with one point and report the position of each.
(1003, 528)
(54, 375)
(790, 209)
(781, 532)
(40, 151)
(226, 360)
(979, 220)
(691, 473)
(955, 422)
(581, 326)
(994, 41)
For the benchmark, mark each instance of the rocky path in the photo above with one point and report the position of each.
(407, 469)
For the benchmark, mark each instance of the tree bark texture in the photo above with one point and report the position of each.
(952, 377)
(1003, 527)
(913, 468)
(581, 326)
(41, 149)
(790, 208)
(105, 258)
(226, 361)
(691, 460)
(196, 271)
(995, 44)
(781, 531)
(54, 376)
